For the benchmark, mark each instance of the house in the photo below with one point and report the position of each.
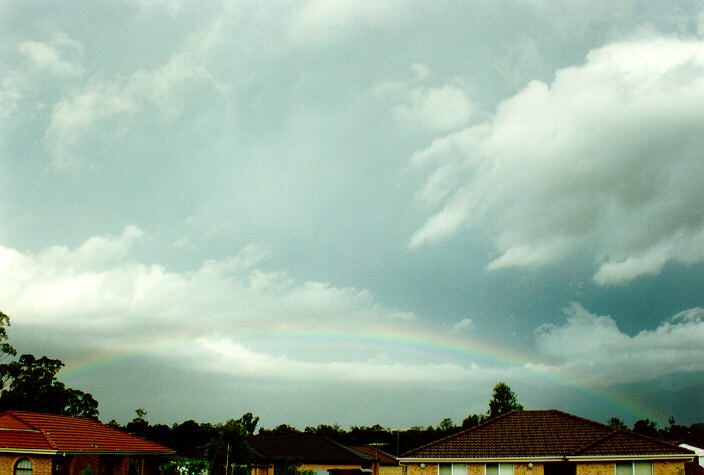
(307, 452)
(546, 442)
(388, 464)
(49, 444)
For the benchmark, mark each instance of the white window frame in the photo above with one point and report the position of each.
(452, 468)
(633, 466)
(513, 467)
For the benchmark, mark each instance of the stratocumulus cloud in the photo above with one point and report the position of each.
(595, 349)
(604, 161)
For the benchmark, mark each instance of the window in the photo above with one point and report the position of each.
(452, 469)
(634, 468)
(500, 469)
(135, 466)
(23, 467)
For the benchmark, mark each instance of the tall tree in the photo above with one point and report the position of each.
(646, 427)
(30, 384)
(503, 400)
(617, 423)
(6, 350)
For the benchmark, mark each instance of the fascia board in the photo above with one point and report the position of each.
(600, 458)
(10, 450)
(80, 452)
(479, 460)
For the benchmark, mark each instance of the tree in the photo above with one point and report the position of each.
(473, 420)
(228, 448)
(617, 423)
(503, 400)
(646, 427)
(30, 384)
(248, 422)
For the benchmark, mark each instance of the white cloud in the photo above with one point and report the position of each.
(156, 90)
(51, 56)
(57, 60)
(604, 161)
(318, 21)
(104, 299)
(463, 325)
(228, 357)
(592, 349)
(437, 108)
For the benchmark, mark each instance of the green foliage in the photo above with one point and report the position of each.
(446, 425)
(473, 420)
(646, 427)
(184, 466)
(617, 423)
(5, 348)
(87, 471)
(228, 448)
(503, 400)
(30, 384)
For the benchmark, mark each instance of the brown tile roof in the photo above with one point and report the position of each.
(306, 448)
(622, 442)
(548, 433)
(384, 458)
(38, 431)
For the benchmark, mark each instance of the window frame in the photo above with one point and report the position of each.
(498, 467)
(17, 470)
(452, 468)
(633, 466)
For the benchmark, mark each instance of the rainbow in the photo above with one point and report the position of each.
(426, 343)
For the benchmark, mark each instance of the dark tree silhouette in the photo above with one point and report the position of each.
(503, 400)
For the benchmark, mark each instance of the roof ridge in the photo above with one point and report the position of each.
(595, 442)
(582, 419)
(378, 450)
(631, 433)
(464, 431)
(351, 450)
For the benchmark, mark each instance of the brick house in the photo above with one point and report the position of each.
(547, 442)
(308, 452)
(33, 443)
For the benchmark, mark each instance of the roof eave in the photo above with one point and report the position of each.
(478, 459)
(83, 452)
(581, 458)
(616, 458)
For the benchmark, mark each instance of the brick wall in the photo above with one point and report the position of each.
(668, 468)
(41, 465)
(597, 468)
(429, 469)
(524, 469)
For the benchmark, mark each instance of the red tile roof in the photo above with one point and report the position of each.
(548, 433)
(306, 448)
(50, 432)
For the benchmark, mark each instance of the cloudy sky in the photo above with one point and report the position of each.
(357, 212)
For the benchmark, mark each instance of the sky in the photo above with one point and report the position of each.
(357, 212)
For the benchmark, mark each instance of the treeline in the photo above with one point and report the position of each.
(693, 434)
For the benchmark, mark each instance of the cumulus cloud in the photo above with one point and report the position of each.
(466, 324)
(317, 21)
(57, 60)
(93, 106)
(604, 161)
(440, 108)
(226, 314)
(594, 349)
(60, 56)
